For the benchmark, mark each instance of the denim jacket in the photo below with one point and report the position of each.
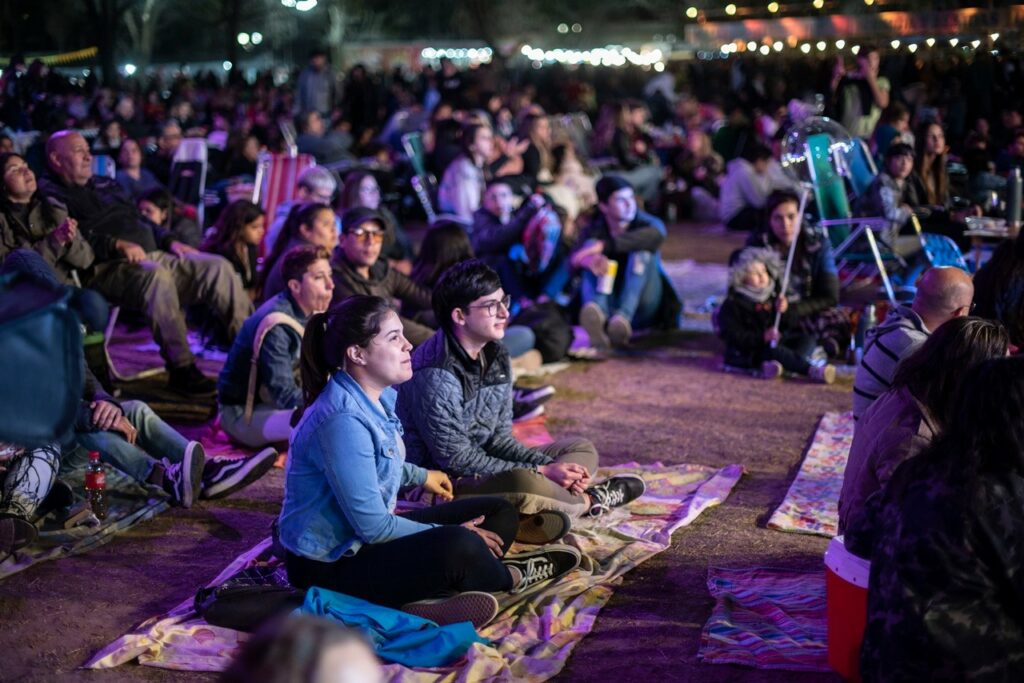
(346, 463)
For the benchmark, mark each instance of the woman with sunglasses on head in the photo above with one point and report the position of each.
(345, 466)
(359, 268)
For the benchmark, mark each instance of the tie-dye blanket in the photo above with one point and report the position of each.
(532, 636)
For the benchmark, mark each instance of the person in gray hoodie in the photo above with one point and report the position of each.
(942, 294)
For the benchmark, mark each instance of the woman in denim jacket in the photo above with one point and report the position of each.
(346, 465)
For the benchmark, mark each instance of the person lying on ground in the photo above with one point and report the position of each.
(942, 294)
(457, 411)
(140, 266)
(641, 295)
(346, 464)
(257, 391)
(746, 322)
(918, 407)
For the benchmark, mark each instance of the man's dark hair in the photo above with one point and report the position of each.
(297, 260)
(899, 149)
(461, 285)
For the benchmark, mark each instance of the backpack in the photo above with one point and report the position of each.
(41, 364)
(551, 326)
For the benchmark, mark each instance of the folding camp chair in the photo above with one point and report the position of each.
(423, 183)
(188, 175)
(860, 167)
(824, 161)
(103, 165)
(276, 178)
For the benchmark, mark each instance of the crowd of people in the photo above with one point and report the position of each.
(388, 366)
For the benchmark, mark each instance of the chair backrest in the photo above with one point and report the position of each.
(943, 251)
(103, 165)
(412, 143)
(276, 178)
(191, 149)
(829, 189)
(861, 167)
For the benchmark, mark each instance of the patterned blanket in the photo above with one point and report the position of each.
(811, 505)
(766, 618)
(532, 636)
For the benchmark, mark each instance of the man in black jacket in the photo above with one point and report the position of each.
(138, 265)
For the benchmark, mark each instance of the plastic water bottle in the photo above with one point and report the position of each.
(96, 486)
(868, 319)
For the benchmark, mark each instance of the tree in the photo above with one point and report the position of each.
(142, 21)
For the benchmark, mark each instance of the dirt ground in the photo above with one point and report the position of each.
(664, 401)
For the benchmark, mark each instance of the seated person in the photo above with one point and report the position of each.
(918, 407)
(642, 297)
(346, 464)
(999, 288)
(457, 411)
(361, 189)
(167, 142)
(749, 180)
(524, 247)
(237, 236)
(746, 321)
(891, 195)
(944, 545)
(141, 267)
(132, 438)
(311, 224)
(462, 186)
(28, 476)
(30, 220)
(316, 184)
(160, 207)
(314, 138)
(257, 398)
(813, 293)
(942, 293)
(1013, 155)
(134, 178)
(931, 187)
(359, 269)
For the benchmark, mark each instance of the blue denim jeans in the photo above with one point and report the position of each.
(518, 340)
(637, 292)
(156, 440)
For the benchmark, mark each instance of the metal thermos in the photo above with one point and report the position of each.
(1013, 192)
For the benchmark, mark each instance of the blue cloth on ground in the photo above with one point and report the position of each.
(396, 636)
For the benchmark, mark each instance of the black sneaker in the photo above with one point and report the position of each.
(15, 533)
(550, 562)
(476, 607)
(190, 381)
(183, 479)
(224, 476)
(536, 396)
(547, 526)
(521, 412)
(617, 491)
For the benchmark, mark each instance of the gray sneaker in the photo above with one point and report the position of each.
(619, 331)
(593, 319)
(476, 607)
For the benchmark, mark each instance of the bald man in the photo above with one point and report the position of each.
(139, 265)
(942, 294)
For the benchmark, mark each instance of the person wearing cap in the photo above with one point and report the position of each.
(359, 269)
(642, 296)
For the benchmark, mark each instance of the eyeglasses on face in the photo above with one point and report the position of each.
(364, 235)
(491, 307)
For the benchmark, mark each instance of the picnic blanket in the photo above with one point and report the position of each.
(533, 634)
(766, 618)
(811, 505)
(129, 504)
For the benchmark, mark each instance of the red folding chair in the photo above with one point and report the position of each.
(276, 177)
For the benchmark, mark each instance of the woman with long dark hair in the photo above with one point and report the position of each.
(310, 223)
(30, 220)
(919, 406)
(345, 466)
(945, 600)
(236, 236)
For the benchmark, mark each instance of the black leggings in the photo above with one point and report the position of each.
(440, 561)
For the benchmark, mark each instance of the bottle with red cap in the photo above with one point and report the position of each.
(96, 486)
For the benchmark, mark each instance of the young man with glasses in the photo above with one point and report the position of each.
(457, 415)
(359, 269)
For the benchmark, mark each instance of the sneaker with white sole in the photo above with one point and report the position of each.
(824, 374)
(619, 331)
(771, 369)
(546, 526)
(615, 492)
(476, 607)
(224, 476)
(593, 319)
(521, 412)
(182, 480)
(536, 396)
(538, 566)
